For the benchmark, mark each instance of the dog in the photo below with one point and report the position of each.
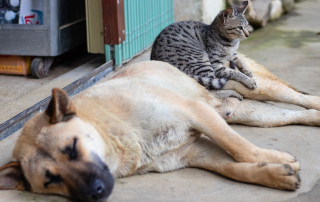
(152, 117)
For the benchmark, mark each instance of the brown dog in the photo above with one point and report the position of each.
(150, 117)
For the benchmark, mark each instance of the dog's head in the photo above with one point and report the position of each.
(59, 153)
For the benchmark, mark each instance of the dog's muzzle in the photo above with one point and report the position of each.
(93, 185)
(100, 190)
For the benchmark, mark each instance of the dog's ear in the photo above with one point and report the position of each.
(60, 107)
(11, 177)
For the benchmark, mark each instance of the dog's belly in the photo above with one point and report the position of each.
(159, 151)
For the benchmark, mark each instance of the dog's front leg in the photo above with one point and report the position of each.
(271, 88)
(261, 114)
(202, 153)
(207, 121)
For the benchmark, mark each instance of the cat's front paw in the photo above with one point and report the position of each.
(248, 73)
(250, 83)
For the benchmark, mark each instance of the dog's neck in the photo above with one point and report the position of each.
(121, 154)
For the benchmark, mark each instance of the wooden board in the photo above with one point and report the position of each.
(113, 21)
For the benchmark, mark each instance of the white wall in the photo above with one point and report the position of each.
(188, 10)
(210, 9)
(197, 10)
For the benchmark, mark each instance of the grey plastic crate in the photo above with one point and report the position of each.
(63, 28)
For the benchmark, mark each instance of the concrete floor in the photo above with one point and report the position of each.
(12, 87)
(18, 93)
(290, 48)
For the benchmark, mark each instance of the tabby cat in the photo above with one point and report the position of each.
(200, 50)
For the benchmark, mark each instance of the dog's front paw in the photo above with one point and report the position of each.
(222, 94)
(280, 176)
(272, 156)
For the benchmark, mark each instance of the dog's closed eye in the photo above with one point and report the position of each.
(72, 150)
(52, 179)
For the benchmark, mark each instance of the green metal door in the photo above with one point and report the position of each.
(144, 20)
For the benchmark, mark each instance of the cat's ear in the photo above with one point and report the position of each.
(241, 8)
(227, 14)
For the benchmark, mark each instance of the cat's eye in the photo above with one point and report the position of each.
(240, 28)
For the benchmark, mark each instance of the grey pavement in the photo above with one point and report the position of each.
(289, 48)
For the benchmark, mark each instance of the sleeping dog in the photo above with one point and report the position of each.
(152, 117)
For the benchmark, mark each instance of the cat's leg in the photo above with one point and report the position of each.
(270, 88)
(261, 114)
(204, 154)
(241, 65)
(224, 72)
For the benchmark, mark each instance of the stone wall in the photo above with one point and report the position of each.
(261, 12)
(258, 13)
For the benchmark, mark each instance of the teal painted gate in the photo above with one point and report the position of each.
(144, 20)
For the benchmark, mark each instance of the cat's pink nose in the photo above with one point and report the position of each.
(246, 33)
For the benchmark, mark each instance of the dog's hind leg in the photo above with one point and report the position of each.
(261, 114)
(270, 88)
(206, 120)
(204, 154)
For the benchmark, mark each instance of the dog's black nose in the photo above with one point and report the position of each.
(97, 190)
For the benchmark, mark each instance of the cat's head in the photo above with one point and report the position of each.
(232, 22)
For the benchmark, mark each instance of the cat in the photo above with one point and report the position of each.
(200, 50)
